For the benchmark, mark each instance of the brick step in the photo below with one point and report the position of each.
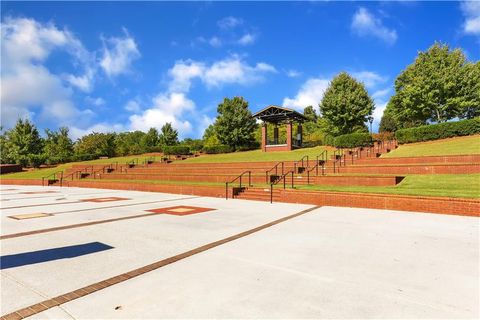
(350, 180)
(259, 194)
(179, 177)
(419, 160)
(410, 169)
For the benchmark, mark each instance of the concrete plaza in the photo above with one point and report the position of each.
(324, 262)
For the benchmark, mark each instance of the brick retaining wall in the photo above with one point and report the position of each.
(455, 206)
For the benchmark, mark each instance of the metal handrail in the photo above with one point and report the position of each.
(109, 166)
(133, 162)
(148, 160)
(240, 182)
(276, 170)
(54, 177)
(78, 173)
(301, 160)
(284, 178)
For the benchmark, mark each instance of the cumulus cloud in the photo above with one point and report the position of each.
(247, 39)
(293, 73)
(28, 87)
(165, 108)
(310, 94)
(370, 79)
(118, 54)
(97, 102)
(364, 23)
(227, 71)
(215, 42)
(229, 22)
(103, 127)
(132, 106)
(471, 11)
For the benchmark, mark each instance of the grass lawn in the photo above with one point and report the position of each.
(258, 155)
(438, 185)
(442, 185)
(452, 146)
(39, 173)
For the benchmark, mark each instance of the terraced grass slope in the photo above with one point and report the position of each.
(258, 155)
(444, 147)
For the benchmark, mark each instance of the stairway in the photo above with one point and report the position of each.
(259, 194)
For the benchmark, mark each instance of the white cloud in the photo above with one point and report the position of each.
(97, 102)
(166, 108)
(381, 94)
(227, 71)
(118, 54)
(471, 11)
(247, 39)
(102, 127)
(182, 74)
(293, 73)
(229, 22)
(215, 42)
(83, 82)
(370, 79)
(310, 94)
(234, 70)
(28, 87)
(132, 106)
(364, 23)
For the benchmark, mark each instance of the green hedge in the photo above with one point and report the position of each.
(439, 131)
(221, 148)
(176, 150)
(353, 140)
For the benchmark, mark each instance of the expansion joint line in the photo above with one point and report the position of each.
(67, 297)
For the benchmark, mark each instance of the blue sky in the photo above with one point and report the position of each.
(100, 66)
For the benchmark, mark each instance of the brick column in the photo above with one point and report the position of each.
(289, 135)
(275, 134)
(300, 132)
(264, 136)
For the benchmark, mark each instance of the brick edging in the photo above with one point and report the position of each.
(73, 295)
(442, 205)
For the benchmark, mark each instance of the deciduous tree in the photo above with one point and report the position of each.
(346, 105)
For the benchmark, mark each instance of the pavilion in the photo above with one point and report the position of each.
(278, 116)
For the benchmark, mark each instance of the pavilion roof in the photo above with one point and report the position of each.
(276, 114)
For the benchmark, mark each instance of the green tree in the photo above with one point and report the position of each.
(310, 113)
(127, 143)
(95, 145)
(168, 135)
(151, 139)
(470, 92)
(58, 146)
(438, 86)
(235, 125)
(387, 123)
(22, 142)
(346, 105)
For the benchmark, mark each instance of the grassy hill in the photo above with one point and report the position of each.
(444, 147)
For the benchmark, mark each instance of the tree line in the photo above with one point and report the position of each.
(23, 144)
(440, 85)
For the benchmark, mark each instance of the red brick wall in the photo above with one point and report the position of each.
(9, 168)
(465, 207)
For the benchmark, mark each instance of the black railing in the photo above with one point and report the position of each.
(106, 169)
(56, 176)
(322, 159)
(284, 178)
(79, 174)
(275, 167)
(240, 182)
(132, 163)
(300, 164)
(148, 160)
